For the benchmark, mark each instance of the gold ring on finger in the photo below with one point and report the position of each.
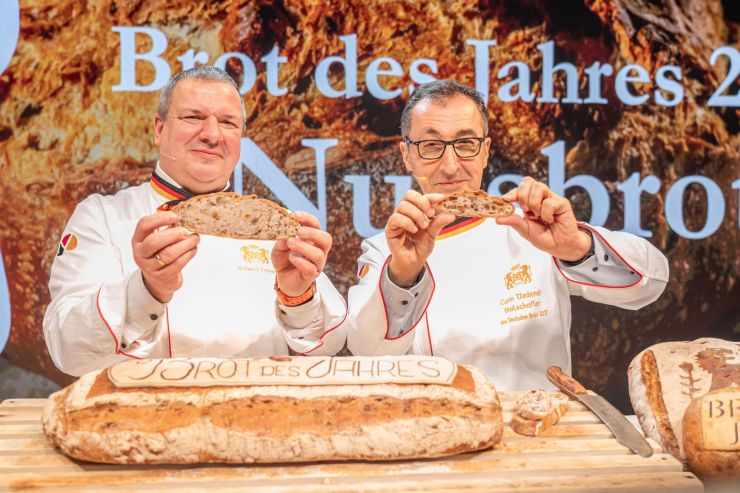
(159, 260)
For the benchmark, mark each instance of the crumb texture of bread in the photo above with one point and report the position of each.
(477, 203)
(537, 411)
(235, 216)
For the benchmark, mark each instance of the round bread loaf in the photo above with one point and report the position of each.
(665, 377)
(711, 434)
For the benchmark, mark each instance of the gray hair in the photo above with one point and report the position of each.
(200, 73)
(442, 90)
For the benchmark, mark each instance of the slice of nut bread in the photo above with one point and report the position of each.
(235, 216)
(466, 203)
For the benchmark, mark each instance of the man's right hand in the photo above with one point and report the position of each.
(161, 253)
(411, 232)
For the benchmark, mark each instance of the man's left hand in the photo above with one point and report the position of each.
(298, 261)
(548, 222)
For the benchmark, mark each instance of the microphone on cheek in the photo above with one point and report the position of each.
(161, 153)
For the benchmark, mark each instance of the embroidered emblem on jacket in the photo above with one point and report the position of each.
(518, 274)
(255, 254)
(69, 242)
(363, 271)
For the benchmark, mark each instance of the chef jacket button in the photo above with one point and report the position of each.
(595, 269)
(632, 272)
(405, 302)
(153, 316)
(283, 311)
(606, 258)
(123, 345)
(300, 337)
(416, 295)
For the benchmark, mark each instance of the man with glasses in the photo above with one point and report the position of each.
(492, 293)
(127, 284)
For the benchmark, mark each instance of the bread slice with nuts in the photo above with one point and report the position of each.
(236, 216)
(538, 410)
(466, 203)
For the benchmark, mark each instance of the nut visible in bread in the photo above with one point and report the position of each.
(186, 411)
(537, 411)
(466, 203)
(235, 216)
(711, 434)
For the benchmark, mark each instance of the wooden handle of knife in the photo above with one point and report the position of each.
(564, 382)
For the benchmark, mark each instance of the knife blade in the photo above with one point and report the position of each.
(623, 430)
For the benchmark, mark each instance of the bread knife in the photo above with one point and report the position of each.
(623, 430)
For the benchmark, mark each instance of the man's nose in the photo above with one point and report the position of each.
(211, 131)
(448, 162)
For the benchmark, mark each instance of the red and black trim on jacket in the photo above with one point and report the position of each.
(321, 337)
(385, 307)
(594, 232)
(460, 225)
(119, 346)
(172, 192)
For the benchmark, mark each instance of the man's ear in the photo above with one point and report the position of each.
(486, 149)
(405, 155)
(158, 126)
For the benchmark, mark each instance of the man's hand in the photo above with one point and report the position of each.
(298, 261)
(411, 232)
(548, 222)
(162, 253)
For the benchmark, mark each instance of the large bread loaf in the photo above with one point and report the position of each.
(285, 409)
(666, 377)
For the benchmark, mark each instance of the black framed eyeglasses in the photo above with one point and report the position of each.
(465, 147)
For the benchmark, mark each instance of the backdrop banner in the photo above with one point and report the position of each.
(630, 108)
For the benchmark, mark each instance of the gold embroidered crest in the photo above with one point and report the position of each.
(518, 274)
(254, 254)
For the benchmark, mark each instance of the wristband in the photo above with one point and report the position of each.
(286, 300)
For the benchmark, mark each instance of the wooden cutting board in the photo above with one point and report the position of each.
(578, 454)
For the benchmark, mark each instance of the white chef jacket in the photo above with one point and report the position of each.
(101, 313)
(489, 298)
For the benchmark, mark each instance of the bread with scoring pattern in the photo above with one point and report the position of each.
(93, 420)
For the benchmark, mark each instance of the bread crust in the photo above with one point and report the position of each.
(94, 421)
(467, 203)
(237, 216)
(664, 378)
(702, 461)
(537, 411)
(654, 392)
